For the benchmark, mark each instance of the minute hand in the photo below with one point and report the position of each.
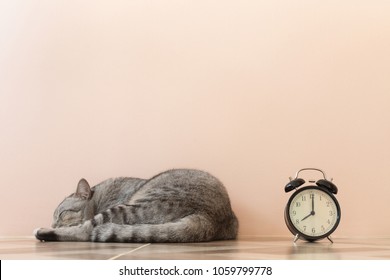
(312, 203)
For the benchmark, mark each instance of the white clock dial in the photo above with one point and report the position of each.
(313, 212)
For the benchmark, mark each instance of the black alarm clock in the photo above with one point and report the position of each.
(312, 212)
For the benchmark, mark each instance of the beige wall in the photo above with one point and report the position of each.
(248, 90)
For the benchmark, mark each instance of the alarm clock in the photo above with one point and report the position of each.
(312, 212)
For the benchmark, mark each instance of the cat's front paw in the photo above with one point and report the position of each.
(44, 234)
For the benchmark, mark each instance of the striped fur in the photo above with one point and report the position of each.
(175, 206)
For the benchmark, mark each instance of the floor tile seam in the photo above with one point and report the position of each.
(129, 252)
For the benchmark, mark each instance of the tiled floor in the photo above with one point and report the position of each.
(245, 248)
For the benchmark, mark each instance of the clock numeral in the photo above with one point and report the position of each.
(297, 204)
(330, 213)
(313, 230)
(311, 195)
(323, 228)
(294, 212)
(304, 228)
(304, 198)
(328, 221)
(297, 221)
(328, 204)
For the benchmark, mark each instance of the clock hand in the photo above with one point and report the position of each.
(312, 203)
(312, 213)
(307, 216)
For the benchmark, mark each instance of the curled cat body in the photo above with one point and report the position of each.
(180, 205)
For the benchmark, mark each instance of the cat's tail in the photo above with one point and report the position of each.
(192, 228)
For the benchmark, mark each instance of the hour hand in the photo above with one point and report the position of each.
(306, 217)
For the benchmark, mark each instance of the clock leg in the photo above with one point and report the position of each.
(296, 238)
(330, 238)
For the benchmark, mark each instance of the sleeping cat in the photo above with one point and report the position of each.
(180, 205)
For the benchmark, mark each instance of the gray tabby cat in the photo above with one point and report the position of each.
(179, 205)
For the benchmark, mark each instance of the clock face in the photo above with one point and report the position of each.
(312, 213)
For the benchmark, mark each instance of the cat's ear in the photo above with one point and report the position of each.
(83, 189)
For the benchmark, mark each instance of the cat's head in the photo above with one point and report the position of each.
(72, 210)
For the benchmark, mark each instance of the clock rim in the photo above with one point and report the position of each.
(290, 224)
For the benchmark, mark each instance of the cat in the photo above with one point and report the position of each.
(179, 205)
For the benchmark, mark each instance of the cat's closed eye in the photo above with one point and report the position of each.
(68, 218)
(68, 213)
